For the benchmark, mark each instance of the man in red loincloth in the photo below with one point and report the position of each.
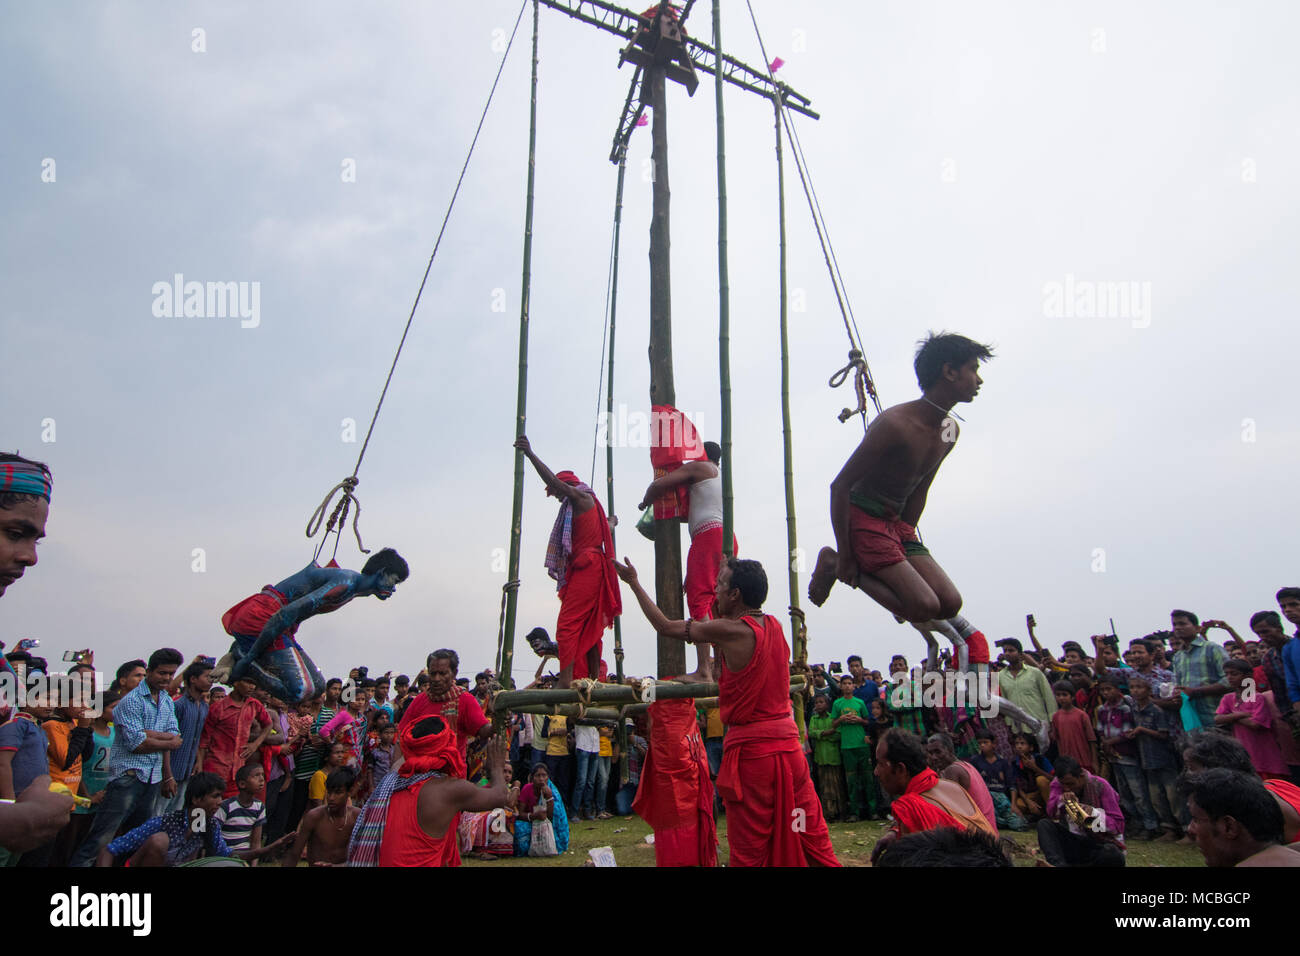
(774, 817)
(580, 557)
(705, 523)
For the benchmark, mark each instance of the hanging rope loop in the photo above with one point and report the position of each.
(338, 518)
(862, 384)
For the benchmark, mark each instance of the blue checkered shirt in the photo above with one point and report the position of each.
(1199, 665)
(134, 714)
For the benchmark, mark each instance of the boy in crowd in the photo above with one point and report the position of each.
(1115, 725)
(825, 739)
(1000, 778)
(336, 760)
(1153, 732)
(243, 816)
(348, 726)
(849, 716)
(325, 830)
(1072, 730)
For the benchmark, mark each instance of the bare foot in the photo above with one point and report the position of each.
(700, 676)
(823, 576)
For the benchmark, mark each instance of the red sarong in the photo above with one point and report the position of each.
(878, 542)
(913, 813)
(676, 796)
(702, 564)
(1288, 792)
(590, 600)
(249, 616)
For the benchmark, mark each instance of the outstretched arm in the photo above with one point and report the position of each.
(556, 487)
(721, 631)
(689, 473)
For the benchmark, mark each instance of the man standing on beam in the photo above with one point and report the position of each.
(580, 557)
(774, 817)
(705, 557)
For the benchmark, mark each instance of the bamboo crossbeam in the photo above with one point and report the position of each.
(569, 710)
(518, 700)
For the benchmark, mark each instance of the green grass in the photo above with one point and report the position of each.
(852, 842)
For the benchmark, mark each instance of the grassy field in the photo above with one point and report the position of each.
(852, 841)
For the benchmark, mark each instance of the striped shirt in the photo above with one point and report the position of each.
(237, 821)
(307, 760)
(134, 714)
(190, 716)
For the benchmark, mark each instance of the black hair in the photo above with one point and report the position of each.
(1236, 664)
(1213, 750)
(1242, 796)
(201, 784)
(1142, 642)
(851, 658)
(402, 680)
(1063, 687)
(246, 771)
(945, 846)
(340, 779)
(1029, 738)
(1102, 679)
(164, 656)
(109, 698)
(444, 654)
(713, 451)
(196, 669)
(983, 733)
(389, 561)
(1187, 614)
(366, 683)
(1286, 593)
(1271, 617)
(1138, 679)
(332, 681)
(945, 348)
(481, 675)
(11, 499)
(902, 747)
(750, 579)
(125, 670)
(1067, 766)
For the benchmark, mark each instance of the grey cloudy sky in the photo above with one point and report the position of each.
(968, 157)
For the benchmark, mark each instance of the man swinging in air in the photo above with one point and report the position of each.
(265, 649)
(879, 494)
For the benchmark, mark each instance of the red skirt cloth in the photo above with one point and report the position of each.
(249, 616)
(702, 564)
(586, 610)
(878, 542)
(774, 817)
(676, 796)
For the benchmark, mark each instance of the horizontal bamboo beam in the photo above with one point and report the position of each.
(520, 700)
(568, 710)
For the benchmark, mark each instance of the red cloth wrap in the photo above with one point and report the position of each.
(1285, 790)
(591, 599)
(702, 564)
(878, 542)
(914, 814)
(676, 796)
(674, 440)
(774, 817)
(249, 616)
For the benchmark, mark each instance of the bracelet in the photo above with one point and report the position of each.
(688, 632)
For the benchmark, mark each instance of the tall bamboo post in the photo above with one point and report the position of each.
(505, 665)
(609, 444)
(724, 302)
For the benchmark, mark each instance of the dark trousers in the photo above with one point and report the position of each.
(1062, 848)
(278, 805)
(297, 804)
(128, 802)
(560, 767)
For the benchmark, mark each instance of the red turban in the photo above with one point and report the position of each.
(432, 751)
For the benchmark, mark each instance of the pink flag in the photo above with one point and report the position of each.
(642, 120)
(776, 64)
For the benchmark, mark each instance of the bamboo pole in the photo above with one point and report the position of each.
(623, 769)
(610, 694)
(505, 664)
(724, 303)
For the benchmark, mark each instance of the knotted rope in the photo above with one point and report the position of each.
(338, 517)
(862, 384)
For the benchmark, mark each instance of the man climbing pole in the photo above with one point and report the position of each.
(774, 817)
(264, 626)
(580, 557)
(705, 523)
(879, 494)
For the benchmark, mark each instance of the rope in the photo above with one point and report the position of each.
(863, 383)
(338, 517)
(348, 496)
(643, 688)
(584, 686)
(604, 338)
(501, 623)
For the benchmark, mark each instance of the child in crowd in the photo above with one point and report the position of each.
(1072, 730)
(1000, 778)
(1115, 723)
(325, 830)
(243, 815)
(1154, 734)
(316, 789)
(1033, 778)
(825, 738)
(1247, 715)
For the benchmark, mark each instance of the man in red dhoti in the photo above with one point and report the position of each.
(580, 557)
(704, 519)
(774, 817)
(676, 795)
(922, 799)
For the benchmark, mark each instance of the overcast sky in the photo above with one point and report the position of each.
(978, 165)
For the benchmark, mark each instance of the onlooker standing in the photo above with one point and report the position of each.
(1115, 725)
(243, 816)
(139, 764)
(1154, 734)
(849, 716)
(1198, 666)
(226, 743)
(636, 751)
(602, 771)
(191, 714)
(586, 745)
(1249, 718)
(713, 731)
(1026, 687)
(1072, 730)
(825, 737)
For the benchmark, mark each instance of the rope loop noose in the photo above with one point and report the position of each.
(338, 518)
(862, 384)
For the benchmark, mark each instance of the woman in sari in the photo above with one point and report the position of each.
(540, 805)
(490, 834)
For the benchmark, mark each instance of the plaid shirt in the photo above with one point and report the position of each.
(1274, 666)
(1198, 665)
(135, 713)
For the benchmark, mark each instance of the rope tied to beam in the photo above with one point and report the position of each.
(346, 489)
(583, 686)
(643, 689)
(512, 585)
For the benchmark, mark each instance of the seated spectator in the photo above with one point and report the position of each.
(180, 836)
(541, 817)
(324, 831)
(1033, 778)
(1235, 820)
(945, 846)
(942, 758)
(489, 834)
(1000, 778)
(1073, 833)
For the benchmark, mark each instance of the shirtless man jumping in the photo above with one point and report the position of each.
(879, 494)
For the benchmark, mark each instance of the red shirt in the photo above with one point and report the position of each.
(405, 843)
(464, 715)
(1073, 732)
